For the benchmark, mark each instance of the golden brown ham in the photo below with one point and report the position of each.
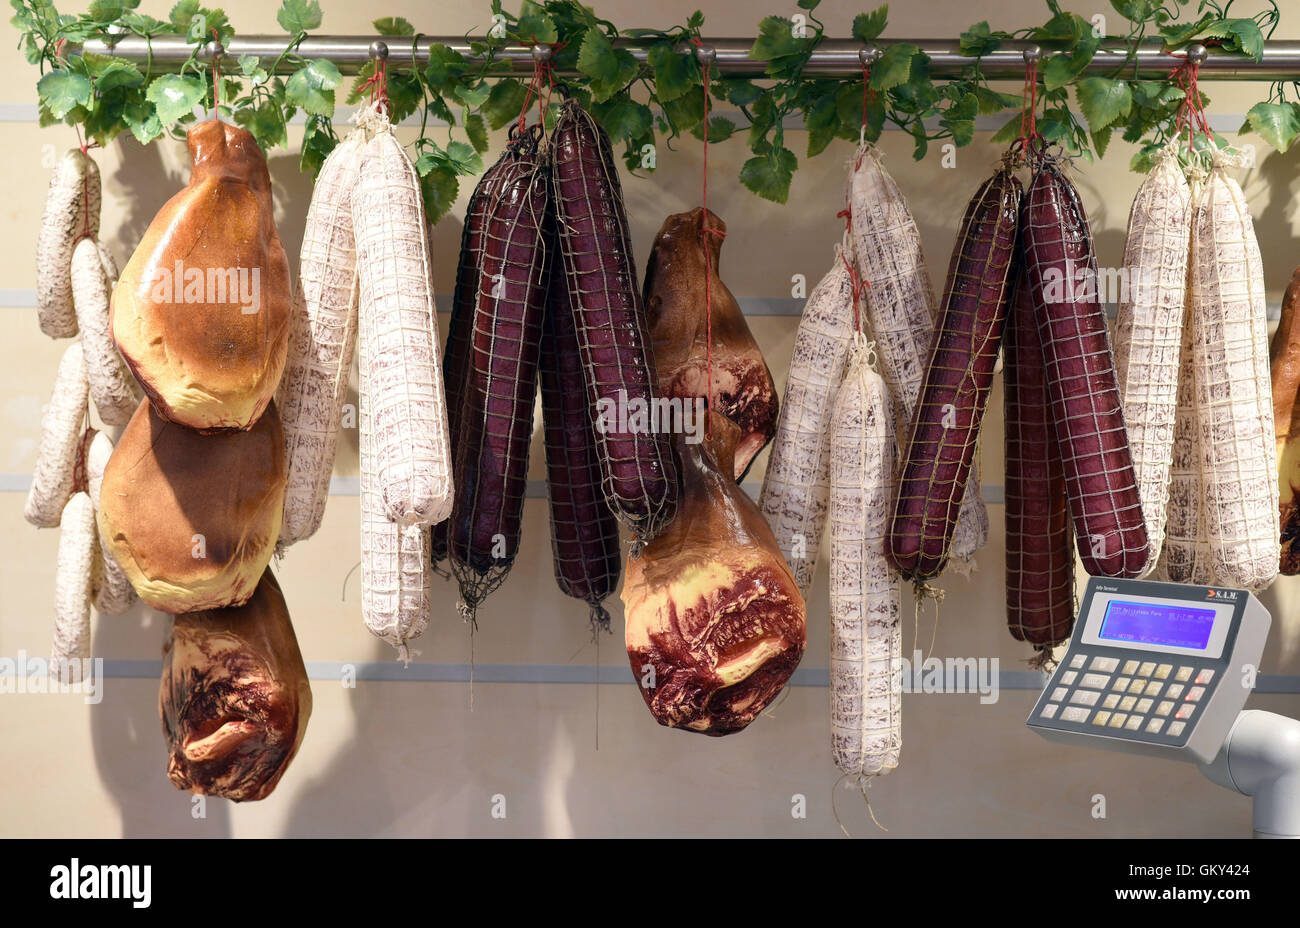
(192, 519)
(715, 621)
(675, 302)
(234, 698)
(201, 311)
(1284, 366)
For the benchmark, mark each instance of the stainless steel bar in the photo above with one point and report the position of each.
(834, 58)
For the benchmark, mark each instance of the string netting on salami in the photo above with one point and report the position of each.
(1233, 389)
(1148, 332)
(901, 311)
(1099, 477)
(639, 472)
(500, 377)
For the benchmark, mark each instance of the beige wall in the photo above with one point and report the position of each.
(411, 758)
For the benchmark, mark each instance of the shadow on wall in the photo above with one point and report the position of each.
(128, 741)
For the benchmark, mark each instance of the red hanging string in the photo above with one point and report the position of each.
(377, 84)
(543, 79)
(866, 99)
(1028, 109)
(708, 254)
(216, 76)
(1191, 112)
(856, 280)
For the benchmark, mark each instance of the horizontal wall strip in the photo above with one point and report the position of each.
(755, 306)
(351, 486)
(419, 672)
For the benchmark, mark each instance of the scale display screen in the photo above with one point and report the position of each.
(1174, 626)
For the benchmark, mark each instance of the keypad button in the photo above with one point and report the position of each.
(1184, 711)
(1101, 718)
(1165, 707)
(1074, 714)
(1163, 671)
(1128, 702)
(1117, 720)
(1138, 685)
(1175, 690)
(1176, 728)
(1205, 676)
(1121, 683)
(1067, 677)
(1195, 694)
(1059, 693)
(1155, 725)
(1111, 701)
(1104, 664)
(1078, 661)
(1095, 681)
(1184, 674)
(1085, 697)
(1049, 710)
(1130, 667)
(1147, 669)
(1134, 723)
(1153, 688)
(1144, 705)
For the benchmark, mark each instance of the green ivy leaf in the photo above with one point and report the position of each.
(978, 40)
(822, 121)
(317, 142)
(610, 69)
(686, 112)
(775, 40)
(537, 27)
(740, 90)
(106, 11)
(473, 97)
(1134, 10)
(477, 131)
(867, 27)
(393, 25)
(1062, 68)
(1176, 34)
(312, 87)
(265, 124)
(1103, 101)
(990, 101)
(720, 129)
(1009, 132)
(445, 68)
(959, 119)
(1245, 37)
(405, 93)
(182, 14)
(504, 102)
(174, 97)
(299, 16)
(109, 74)
(1101, 140)
(1278, 124)
(623, 119)
(894, 66)
(809, 5)
(439, 188)
(143, 121)
(143, 24)
(675, 72)
(769, 174)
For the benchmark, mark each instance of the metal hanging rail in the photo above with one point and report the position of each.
(833, 58)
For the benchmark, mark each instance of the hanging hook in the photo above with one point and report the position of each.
(378, 50)
(868, 55)
(706, 55)
(542, 54)
(1196, 54)
(1032, 53)
(214, 51)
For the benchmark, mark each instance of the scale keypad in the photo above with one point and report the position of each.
(1151, 700)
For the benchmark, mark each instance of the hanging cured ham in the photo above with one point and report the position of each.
(715, 620)
(681, 283)
(201, 311)
(234, 698)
